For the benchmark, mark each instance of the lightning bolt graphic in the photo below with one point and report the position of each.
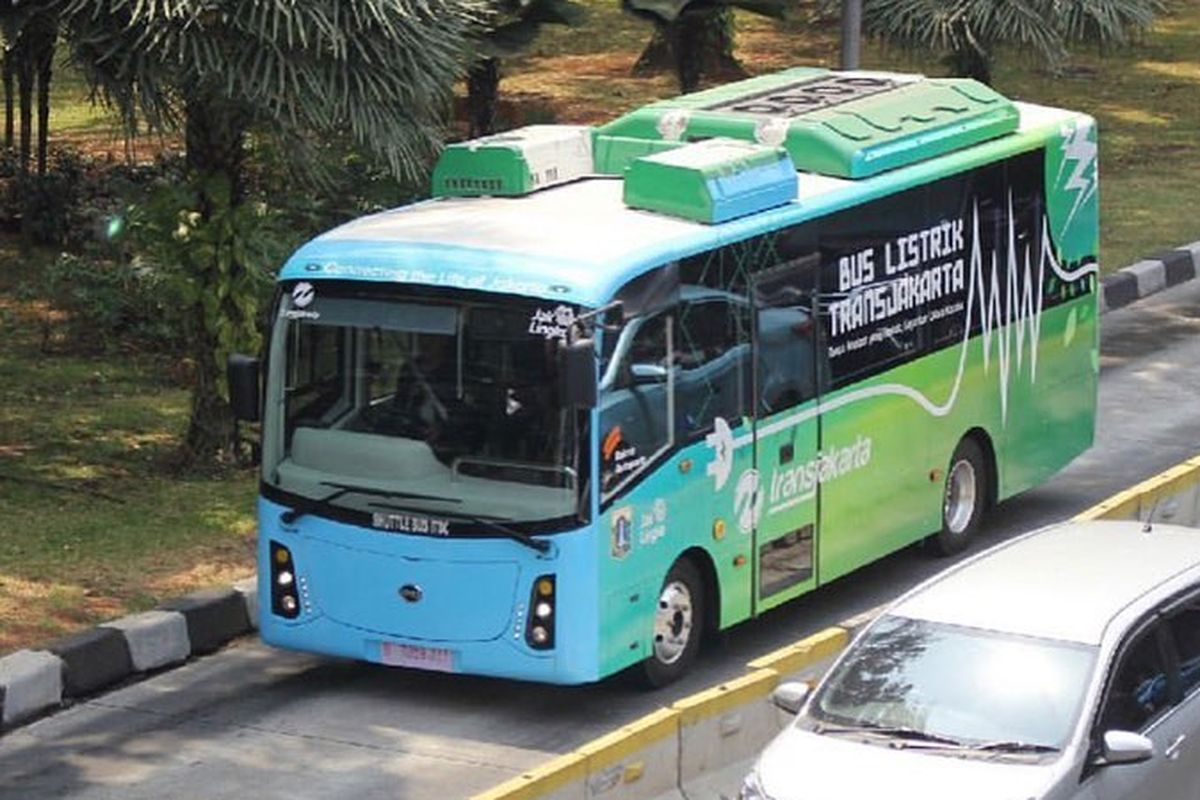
(1078, 148)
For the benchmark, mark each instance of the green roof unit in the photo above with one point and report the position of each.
(844, 124)
(711, 181)
(514, 163)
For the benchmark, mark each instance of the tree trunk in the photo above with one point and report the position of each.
(215, 135)
(215, 138)
(44, 72)
(25, 101)
(42, 33)
(9, 88)
(695, 45)
(483, 95)
(969, 62)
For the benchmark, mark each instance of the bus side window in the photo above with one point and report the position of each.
(713, 356)
(634, 411)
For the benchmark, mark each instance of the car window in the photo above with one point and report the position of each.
(1139, 689)
(1184, 627)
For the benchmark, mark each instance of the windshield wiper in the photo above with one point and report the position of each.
(309, 505)
(540, 545)
(893, 731)
(1015, 747)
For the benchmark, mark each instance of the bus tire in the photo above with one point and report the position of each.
(678, 625)
(964, 499)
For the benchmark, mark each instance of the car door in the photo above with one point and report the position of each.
(1142, 696)
(1182, 623)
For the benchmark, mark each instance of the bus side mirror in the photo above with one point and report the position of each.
(577, 373)
(242, 372)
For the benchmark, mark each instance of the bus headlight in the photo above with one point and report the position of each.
(284, 600)
(539, 632)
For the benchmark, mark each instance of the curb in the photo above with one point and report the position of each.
(34, 682)
(1147, 277)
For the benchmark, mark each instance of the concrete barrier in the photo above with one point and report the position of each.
(1172, 497)
(30, 683)
(33, 682)
(710, 739)
(638, 761)
(699, 747)
(722, 729)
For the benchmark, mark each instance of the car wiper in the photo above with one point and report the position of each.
(309, 505)
(1004, 746)
(892, 731)
(540, 545)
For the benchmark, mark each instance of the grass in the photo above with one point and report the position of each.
(92, 524)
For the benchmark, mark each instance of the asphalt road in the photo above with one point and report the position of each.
(255, 722)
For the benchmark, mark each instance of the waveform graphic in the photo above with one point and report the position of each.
(1014, 311)
(1007, 300)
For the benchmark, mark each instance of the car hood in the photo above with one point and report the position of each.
(800, 765)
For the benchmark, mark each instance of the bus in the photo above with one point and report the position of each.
(616, 388)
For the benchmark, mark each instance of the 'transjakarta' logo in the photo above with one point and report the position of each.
(794, 485)
(303, 295)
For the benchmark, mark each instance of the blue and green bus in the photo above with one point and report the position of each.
(616, 388)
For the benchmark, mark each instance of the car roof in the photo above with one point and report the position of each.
(1065, 582)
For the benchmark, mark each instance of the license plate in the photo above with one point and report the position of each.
(407, 655)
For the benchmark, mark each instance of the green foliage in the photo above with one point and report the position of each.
(113, 304)
(379, 71)
(968, 32)
(667, 11)
(220, 259)
(512, 25)
(70, 207)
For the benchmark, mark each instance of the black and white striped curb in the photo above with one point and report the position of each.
(1147, 277)
(33, 682)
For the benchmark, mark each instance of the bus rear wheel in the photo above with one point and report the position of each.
(964, 499)
(678, 625)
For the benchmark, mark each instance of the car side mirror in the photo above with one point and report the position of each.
(1125, 747)
(790, 696)
(243, 374)
(577, 373)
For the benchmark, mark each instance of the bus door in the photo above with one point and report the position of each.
(787, 433)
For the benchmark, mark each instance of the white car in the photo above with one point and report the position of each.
(1061, 664)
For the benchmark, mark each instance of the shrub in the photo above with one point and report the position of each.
(114, 304)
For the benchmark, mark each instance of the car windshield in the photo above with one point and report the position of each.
(449, 408)
(990, 691)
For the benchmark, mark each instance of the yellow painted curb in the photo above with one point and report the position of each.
(804, 653)
(628, 739)
(539, 781)
(719, 699)
(1131, 502)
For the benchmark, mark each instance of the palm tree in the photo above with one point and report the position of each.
(511, 27)
(968, 32)
(695, 37)
(375, 72)
(30, 33)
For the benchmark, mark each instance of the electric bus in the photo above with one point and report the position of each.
(616, 388)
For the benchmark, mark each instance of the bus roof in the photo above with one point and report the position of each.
(578, 242)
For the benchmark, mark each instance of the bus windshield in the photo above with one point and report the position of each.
(422, 408)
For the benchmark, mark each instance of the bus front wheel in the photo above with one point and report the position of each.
(964, 498)
(678, 623)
